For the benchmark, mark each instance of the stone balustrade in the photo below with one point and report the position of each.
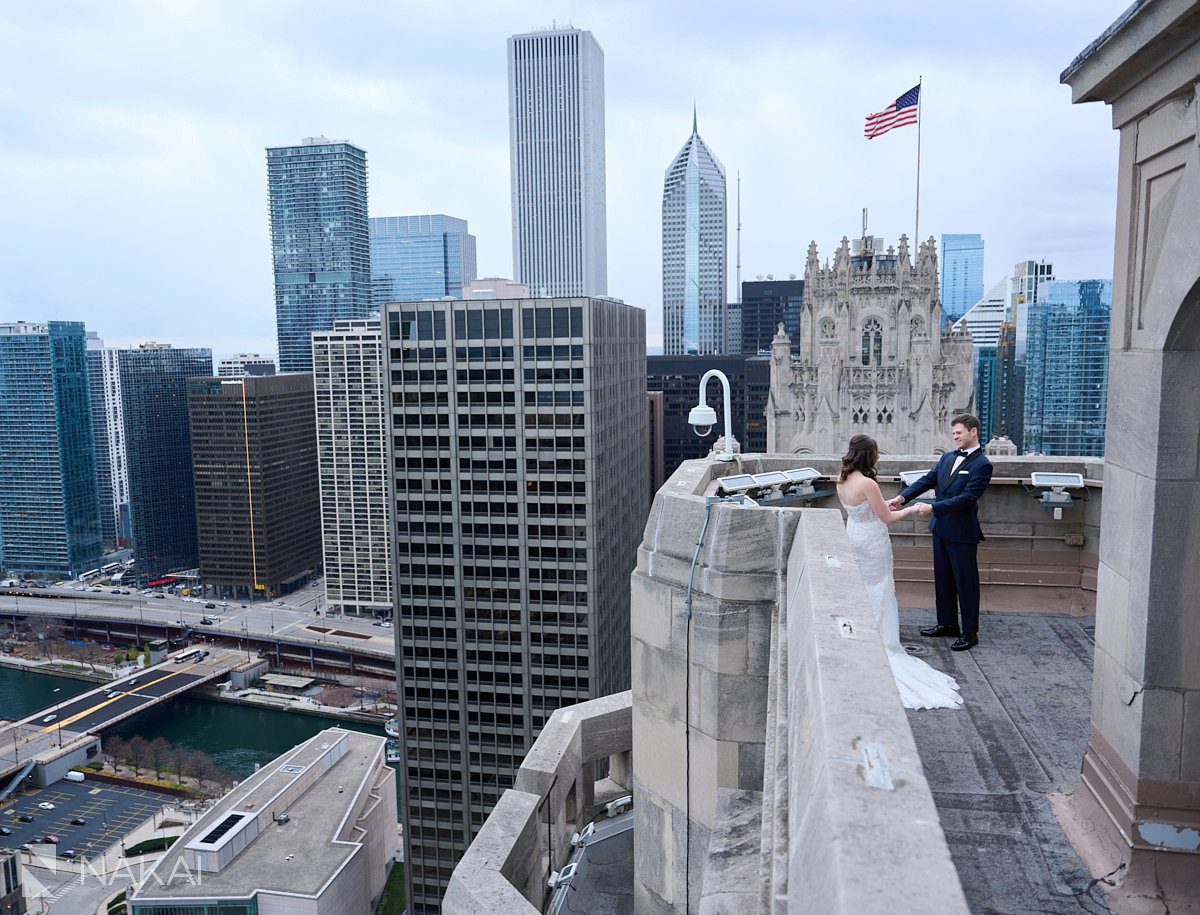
(528, 833)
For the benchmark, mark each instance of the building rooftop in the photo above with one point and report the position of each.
(298, 856)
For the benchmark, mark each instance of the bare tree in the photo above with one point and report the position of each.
(138, 753)
(179, 761)
(115, 749)
(205, 769)
(158, 753)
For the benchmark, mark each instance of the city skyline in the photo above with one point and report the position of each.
(181, 156)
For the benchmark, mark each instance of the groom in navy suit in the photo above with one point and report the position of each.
(958, 481)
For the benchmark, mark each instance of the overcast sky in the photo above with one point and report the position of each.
(132, 135)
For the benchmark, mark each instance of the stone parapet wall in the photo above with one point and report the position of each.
(506, 867)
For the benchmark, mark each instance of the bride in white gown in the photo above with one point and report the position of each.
(868, 517)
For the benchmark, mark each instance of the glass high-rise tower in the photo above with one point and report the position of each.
(693, 252)
(319, 242)
(556, 143)
(158, 452)
(49, 502)
(419, 258)
(1066, 368)
(962, 274)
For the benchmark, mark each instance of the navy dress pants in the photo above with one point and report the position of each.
(956, 583)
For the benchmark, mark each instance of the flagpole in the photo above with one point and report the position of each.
(920, 105)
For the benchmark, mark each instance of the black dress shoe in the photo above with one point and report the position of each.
(965, 642)
(935, 632)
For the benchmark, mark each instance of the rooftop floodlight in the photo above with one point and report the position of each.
(617, 807)
(1055, 497)
(911, 476)
(776, 485)
(562, 877)
(703, 417)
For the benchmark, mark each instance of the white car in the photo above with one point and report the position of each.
(223, 604)
(45, 805)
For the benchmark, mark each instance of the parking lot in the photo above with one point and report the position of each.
(109, 812)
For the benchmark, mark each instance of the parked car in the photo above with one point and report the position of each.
(124, 592)
(79, 821)
(70, 854)
(224, 603)
(5, 831)
(48, 839)
(45, 805)
(80, 588)
(210, 606)
(160, 596)
(25, 818)
(206, 621)
(115, 591)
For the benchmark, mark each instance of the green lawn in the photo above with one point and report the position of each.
(392, 900)
(150, 845)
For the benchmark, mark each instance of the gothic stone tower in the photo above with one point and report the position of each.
(872, 357)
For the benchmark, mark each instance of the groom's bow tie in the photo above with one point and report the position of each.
(960, 453)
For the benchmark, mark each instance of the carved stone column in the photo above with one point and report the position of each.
(1137, 811)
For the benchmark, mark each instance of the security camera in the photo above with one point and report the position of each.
(702, 419)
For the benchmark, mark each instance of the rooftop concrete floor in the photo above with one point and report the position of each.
(1019, 737)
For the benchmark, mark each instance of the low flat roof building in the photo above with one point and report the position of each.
(313, 831)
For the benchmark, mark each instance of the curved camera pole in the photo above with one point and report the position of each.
(727, 454)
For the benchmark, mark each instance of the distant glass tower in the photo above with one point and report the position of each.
(1066, 368)
(158, 452)
(962, 274)
(693, 252)
(49, 502)
(100, 438)
(556, 159)
(420, 258)
(319, 242)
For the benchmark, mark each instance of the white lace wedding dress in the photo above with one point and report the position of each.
(920, 685)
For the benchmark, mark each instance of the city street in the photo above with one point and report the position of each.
(292, 617)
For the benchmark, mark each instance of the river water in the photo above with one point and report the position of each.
(237, 737)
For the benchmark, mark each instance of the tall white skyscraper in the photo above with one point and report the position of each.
(556, 143)
(693, 251)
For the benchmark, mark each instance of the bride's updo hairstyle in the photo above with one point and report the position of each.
(861, 456)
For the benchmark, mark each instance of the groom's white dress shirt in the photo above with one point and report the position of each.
(967, 452)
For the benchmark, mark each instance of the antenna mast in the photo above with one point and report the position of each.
(739, 236)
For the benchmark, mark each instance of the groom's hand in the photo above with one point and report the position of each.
(895, 503)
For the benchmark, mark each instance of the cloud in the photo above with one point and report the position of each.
(133, 138)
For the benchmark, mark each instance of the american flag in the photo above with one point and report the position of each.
(901, 112)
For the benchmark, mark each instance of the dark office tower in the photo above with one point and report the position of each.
(1008, 399)
(254, 462)
(654, 442)
(518, 441)
(158, 452)
(758, 392)
(49, 506)
(319, 242)
(765, 305)
(100, 438)
(678, 378)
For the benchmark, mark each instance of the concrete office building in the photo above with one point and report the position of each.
(416, 258)
(313, 832)
(518, 447)
(320, 245)
(158, 454)
(352, 465)
(100, 437)
(49, 507)
(693, 251)
(246, 364)
(494, 287)
(254, 463)
(556, 160)
(12, 895)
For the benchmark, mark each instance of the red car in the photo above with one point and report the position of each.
(49, 840)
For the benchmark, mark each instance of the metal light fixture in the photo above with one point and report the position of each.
(703, 417)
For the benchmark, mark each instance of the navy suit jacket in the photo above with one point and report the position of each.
(956, 495)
